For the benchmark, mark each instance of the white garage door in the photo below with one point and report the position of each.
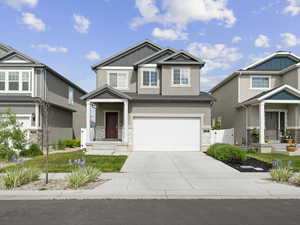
(166, 134)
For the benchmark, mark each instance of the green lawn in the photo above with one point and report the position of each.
(58, 163)
(268, 157)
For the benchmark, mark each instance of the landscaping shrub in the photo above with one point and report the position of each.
(281, 175)
(82, 175)
(60, 145)
(18, 176)
(226, 152)
(34, 150)
(6, 153)
(72, 143)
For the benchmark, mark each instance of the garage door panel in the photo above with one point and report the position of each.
(166, 134)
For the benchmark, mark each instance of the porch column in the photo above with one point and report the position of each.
(262, 122)
(88, 120)
(125, 122)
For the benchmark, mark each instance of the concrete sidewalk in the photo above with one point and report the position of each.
(181, 175)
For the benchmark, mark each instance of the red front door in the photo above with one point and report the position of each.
(111, 130)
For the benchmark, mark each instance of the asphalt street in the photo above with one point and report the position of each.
(150, 212)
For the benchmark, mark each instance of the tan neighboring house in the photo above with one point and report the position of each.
(148, 98)
(261, 101)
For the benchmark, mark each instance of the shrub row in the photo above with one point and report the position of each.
(226, 152)
(32, 151)
(70, 143)
(18, 176)
(82, 175)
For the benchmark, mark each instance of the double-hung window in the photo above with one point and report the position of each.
(118, 80)
(150, 78)
(260, 82)
(181, 77)
(14, 81)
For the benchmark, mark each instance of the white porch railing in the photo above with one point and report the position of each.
(222, 136)
(84, 138)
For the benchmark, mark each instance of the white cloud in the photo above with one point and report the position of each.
(262, 41)
(256, 57)
(92, 55)
(173, 14)
(49, 48)
(292, 8)
(289, 40)
(18, 4)
(236, 39)
(217, 56)
(32, 22)
(207, 82)
(169, 34)
(82, 24)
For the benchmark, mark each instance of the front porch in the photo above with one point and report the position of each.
(273, 120)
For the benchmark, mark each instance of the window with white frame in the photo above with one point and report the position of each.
(149, 78)
(118, 80)
(15, 81)
(260, 82)
(181, 76)
(71, 95)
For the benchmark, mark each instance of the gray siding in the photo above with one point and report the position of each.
(292, 78)
(171, 109)
(133, 57)
(102, 78)
(18, 108)
(166, 81)
(245, 85)
(275, 64)
(60, 124)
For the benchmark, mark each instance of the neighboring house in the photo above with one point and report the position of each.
(26, 84)
(261, 101)
(148, 98)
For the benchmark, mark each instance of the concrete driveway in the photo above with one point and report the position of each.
(188, 175)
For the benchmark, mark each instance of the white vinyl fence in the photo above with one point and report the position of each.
(83, 137)
(222, 136)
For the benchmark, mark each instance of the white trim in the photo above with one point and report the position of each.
(181, 85)
(293, 128)
(108, 111)
(117, 72)
(125, 123)
(88, 121)
(239, 88)
(32, 83)
(269, 57)
(283, 101)
(37, 115)
(142, 77)
(262, 123)
(117, 67)
(70, 94)
(107, 100)
(148, 65)
(260, 76)
(279, 89)
(20, 83)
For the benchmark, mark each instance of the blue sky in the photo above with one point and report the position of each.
(71, 35)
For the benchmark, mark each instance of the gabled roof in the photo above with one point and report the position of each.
(105, 88)
(276, 54)
(190, 59)
(272, 92)
(247, 70)
(127, 51)
(154, 56)
(31, 62)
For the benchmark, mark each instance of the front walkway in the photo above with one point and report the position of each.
(165, 175)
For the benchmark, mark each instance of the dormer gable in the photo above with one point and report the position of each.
(275, 62)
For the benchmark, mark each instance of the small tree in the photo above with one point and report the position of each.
(12, 138)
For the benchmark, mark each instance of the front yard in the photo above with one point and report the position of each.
(269, 157)
(59, 162)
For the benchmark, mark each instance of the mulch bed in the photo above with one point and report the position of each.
(250, 162)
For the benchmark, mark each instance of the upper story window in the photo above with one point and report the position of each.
(118, 80)
(71, 95)
(13, 81)
(260, 82)
(181, 77)
(149, 78)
